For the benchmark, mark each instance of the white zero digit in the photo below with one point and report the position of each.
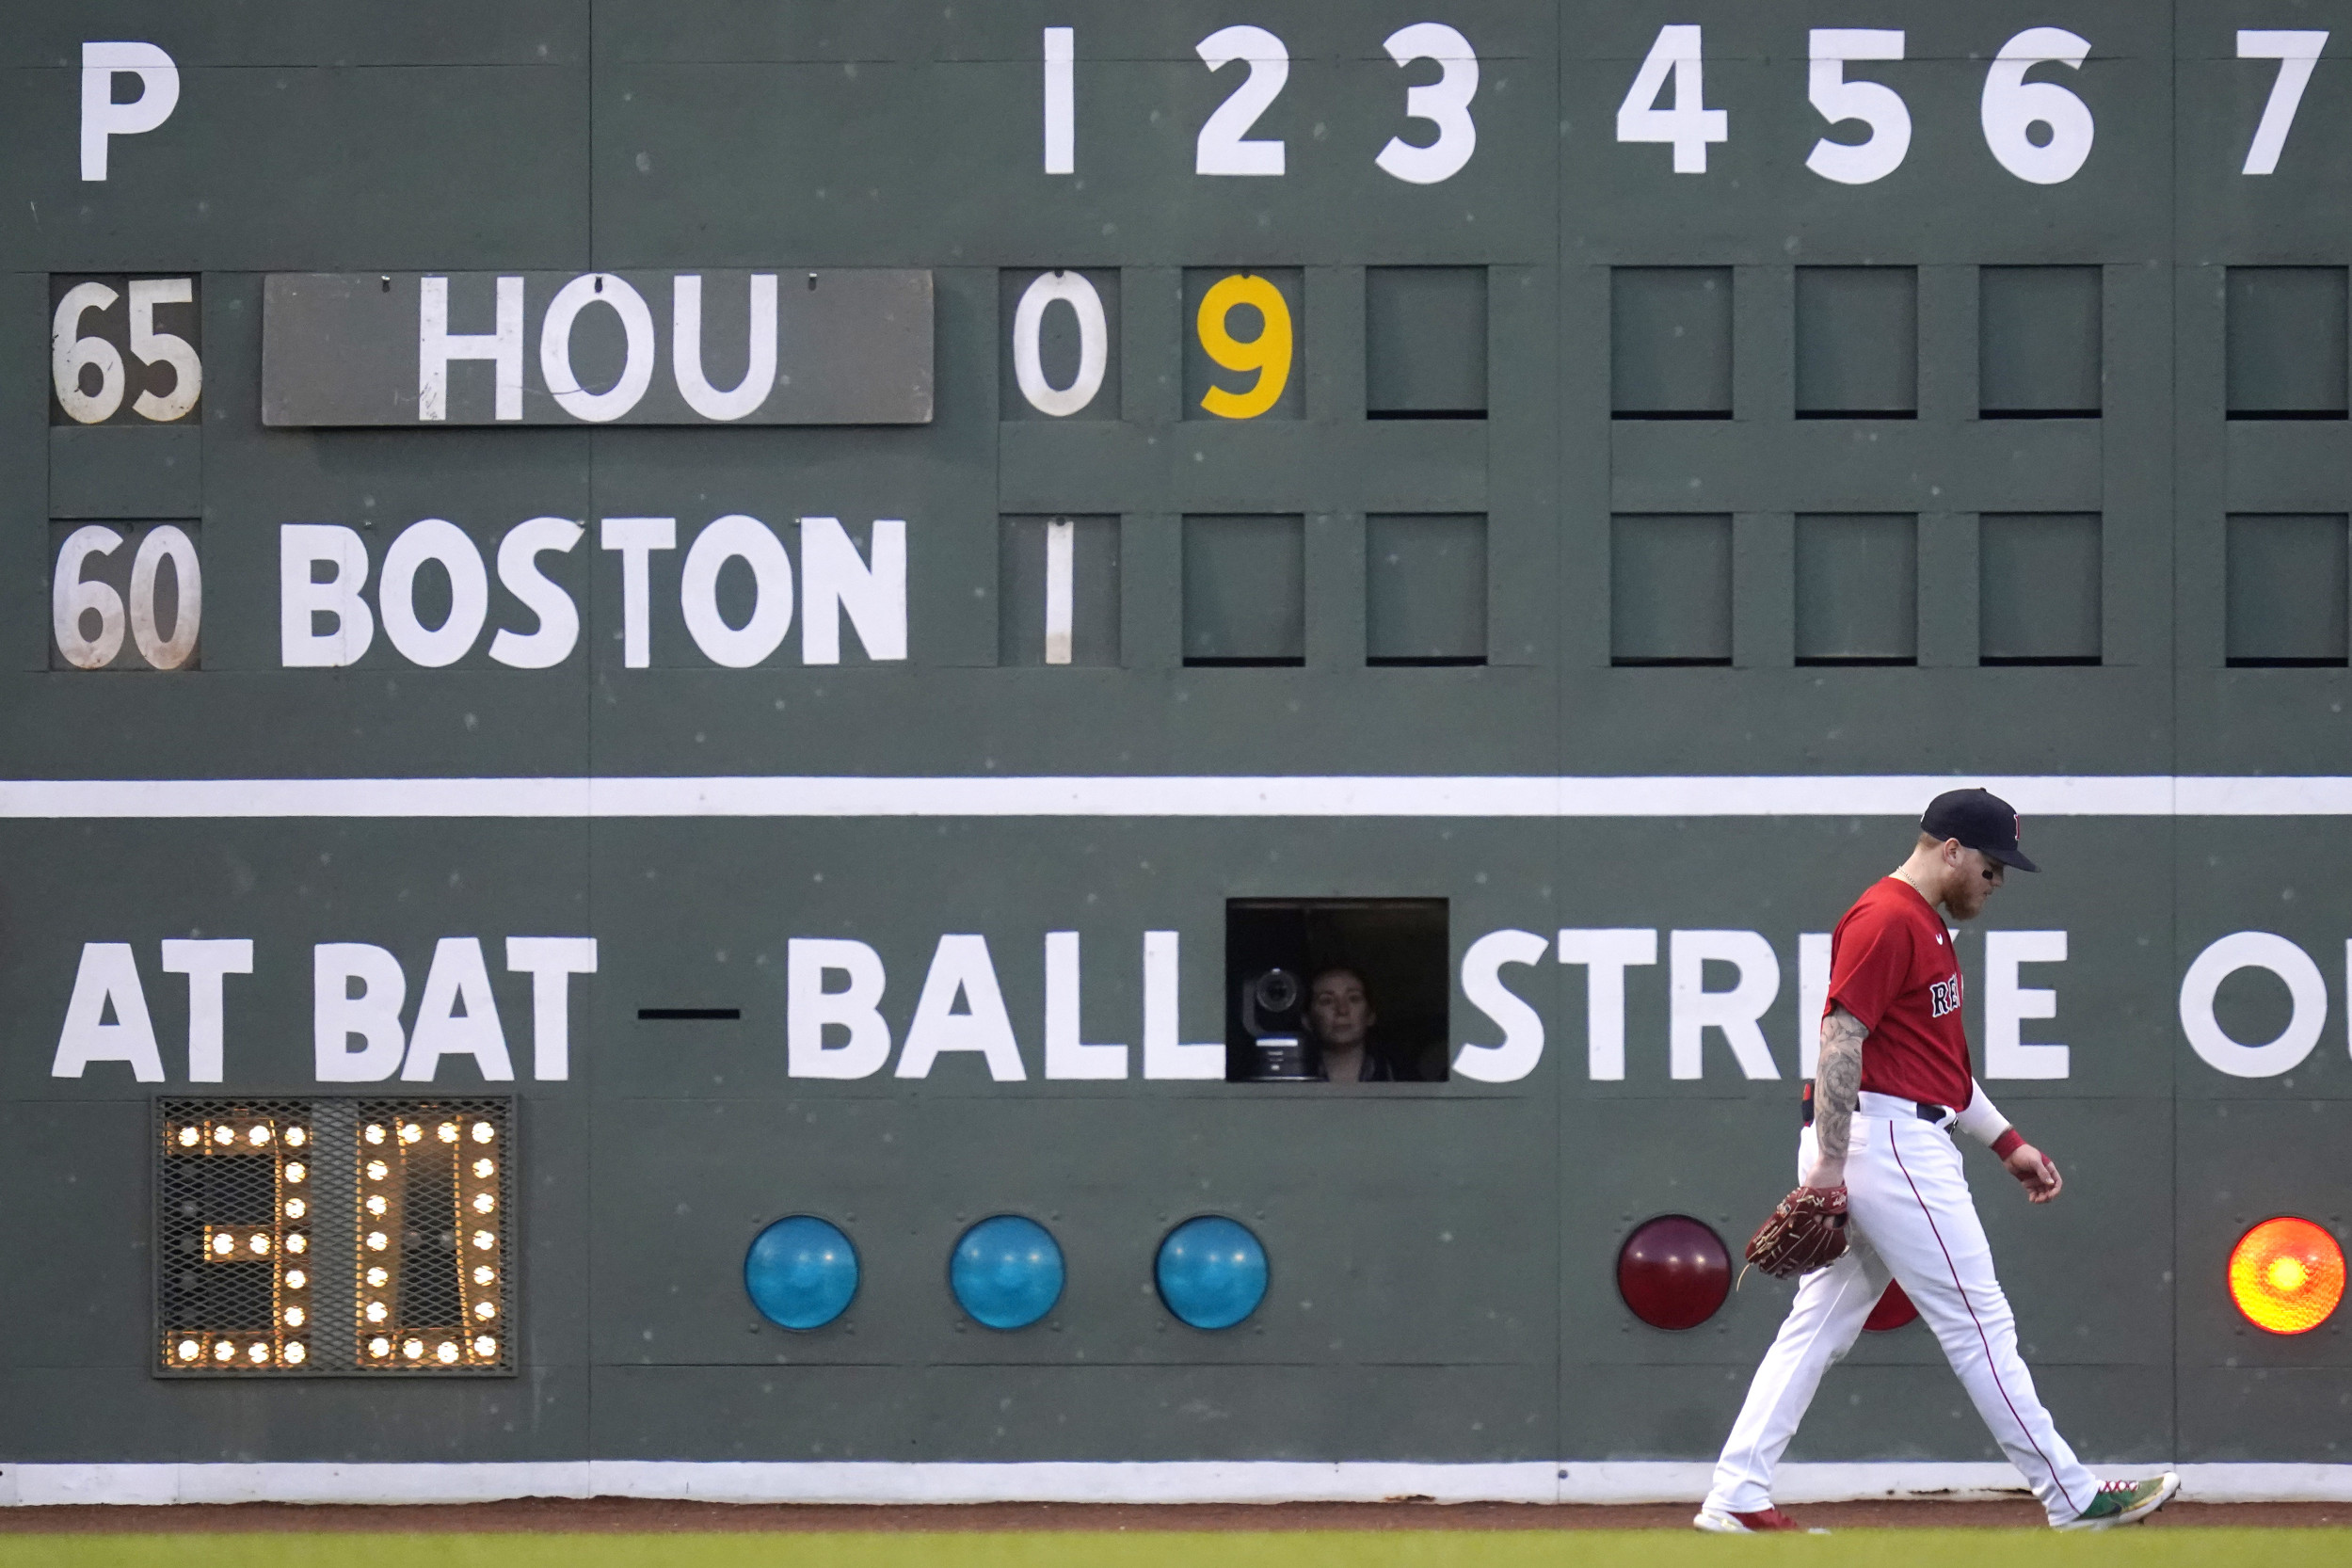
(1220, 148)
(71, 598)
(1445, 103)
(2011, 105)
(166, 542)
(1875, 103)
(2296, 54)
(187, 372)
(1093, 343)
(1687, 125)
(68, 353)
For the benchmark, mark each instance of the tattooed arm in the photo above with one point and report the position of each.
(1837, 1089)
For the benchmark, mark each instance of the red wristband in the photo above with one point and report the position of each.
(2008, 1143)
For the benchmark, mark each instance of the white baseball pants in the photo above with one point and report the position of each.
(1911, 1218)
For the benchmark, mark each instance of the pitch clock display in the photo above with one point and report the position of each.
(361, 1236)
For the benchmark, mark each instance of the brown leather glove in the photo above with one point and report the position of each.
(1806, 1232)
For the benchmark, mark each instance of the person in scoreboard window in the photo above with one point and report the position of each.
(1884, 1196)
(1340, 1014)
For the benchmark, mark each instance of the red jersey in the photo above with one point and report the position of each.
(1892, 966)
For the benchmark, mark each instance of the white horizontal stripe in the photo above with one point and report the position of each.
(1239, 1482)
(1473, 796)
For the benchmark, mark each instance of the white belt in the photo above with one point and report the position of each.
(1895, 1109)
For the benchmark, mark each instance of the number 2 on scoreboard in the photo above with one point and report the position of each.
(1267, 353)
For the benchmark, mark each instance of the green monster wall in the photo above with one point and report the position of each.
(1652, 507)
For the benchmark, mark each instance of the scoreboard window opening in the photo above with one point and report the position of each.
(2285, 578)
(1857, 342)
(1670, 589)
(1669, 342)
(2039, 332)
(1337, 990)
(2038, 599)
(359, 1236)
(1425, 589)
(2286, 343)
(1425, 343)
(1245, 590)
(1858, 588)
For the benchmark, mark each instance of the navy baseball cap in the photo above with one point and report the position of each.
(1981, 820)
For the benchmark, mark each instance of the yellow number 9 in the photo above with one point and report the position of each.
(1269, 353)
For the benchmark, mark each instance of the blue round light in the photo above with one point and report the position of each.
(1006, 1271)
(801, 1271)
(1211, 1272)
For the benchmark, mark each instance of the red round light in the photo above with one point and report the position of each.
(1673, 1273)
(1894, 1310)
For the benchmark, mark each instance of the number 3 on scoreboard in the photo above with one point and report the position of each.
(1267, 354)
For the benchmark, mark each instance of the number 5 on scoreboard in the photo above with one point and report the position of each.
(1229, 302)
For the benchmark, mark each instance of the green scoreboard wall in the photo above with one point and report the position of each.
(1600, 467)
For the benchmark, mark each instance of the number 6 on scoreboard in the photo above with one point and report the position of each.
(1269, 353)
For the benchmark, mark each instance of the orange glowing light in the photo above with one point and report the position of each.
(2286, 1275)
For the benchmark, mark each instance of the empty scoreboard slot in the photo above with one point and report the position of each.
(1425, 343)
(2286, 343)
(1857, 342)
(1245, 590)
(1336, 990)
(1425, 589)
(1670, 342)
(1858, 588)
(2286, 577)
(1670, 589)
(2038, 599)
(2038, 342)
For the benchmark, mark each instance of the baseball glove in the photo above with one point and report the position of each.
(1806, 1232)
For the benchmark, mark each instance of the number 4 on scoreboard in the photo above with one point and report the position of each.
(1687, 126)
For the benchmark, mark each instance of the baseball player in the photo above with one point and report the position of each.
(1883, 1195)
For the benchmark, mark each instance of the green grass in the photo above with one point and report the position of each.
(1398, 1548)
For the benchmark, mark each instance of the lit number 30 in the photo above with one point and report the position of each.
(1269, 353)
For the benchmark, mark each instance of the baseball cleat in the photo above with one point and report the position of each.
(1722, 1521)
(2126, 1502)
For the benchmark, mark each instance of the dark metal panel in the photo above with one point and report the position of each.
(2288, 577)
(2287, 344)
(1670, 334)
(1425, 587)
(1425, 349)
(2039, 588)
(1857, 341)
(1245, 589)
(124, 471)
(1670, 589)
(1857, 587)
(2040, 331)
